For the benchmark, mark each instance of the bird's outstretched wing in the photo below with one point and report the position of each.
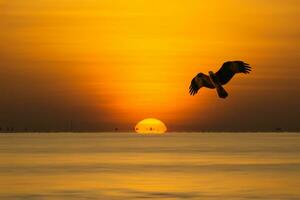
(194, 87)
(229, 69)
(201, 80)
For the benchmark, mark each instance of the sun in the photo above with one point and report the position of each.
(150, 126)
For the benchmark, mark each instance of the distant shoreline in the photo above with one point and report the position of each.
(47, 132)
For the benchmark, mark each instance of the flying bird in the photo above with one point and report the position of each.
(221, 77)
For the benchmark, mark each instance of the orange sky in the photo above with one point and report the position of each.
(105, 64)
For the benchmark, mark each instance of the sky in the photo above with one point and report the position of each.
(97, 65)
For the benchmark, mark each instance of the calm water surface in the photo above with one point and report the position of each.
(113, 166)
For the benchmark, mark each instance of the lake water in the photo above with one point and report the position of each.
(113, 166)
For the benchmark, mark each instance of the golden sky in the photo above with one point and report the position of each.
(103, 64)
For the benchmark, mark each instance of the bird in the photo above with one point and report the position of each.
(221, 77)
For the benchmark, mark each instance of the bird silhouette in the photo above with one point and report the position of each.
(222, 77)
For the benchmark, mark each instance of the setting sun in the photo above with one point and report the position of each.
(150, 126)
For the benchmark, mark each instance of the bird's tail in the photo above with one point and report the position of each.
(220, 90)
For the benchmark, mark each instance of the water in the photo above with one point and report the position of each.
(113, 166)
